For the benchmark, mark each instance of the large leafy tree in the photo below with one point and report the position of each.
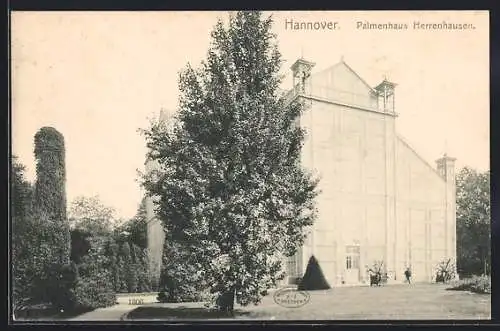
(90, 214)
(230, 186)
(473, 222)
(89, 218)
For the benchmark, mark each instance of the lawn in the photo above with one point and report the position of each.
(421, 301)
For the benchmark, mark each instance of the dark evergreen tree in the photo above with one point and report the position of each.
(50, 188)
(137, 227)
(112, 253)
(129, 283)
(22, 235)
(134, 231)
(133, 269)
(230, 186)
(21, 191)
(146, 281)
(313, 278)
(142, 269)
(122, 266)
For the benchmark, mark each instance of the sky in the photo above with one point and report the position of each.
(98, 76)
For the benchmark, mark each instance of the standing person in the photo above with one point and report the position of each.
(408, 275)
(371, 274)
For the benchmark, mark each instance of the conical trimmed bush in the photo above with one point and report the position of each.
(313, 278)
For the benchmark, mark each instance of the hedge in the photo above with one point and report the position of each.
(475, 284)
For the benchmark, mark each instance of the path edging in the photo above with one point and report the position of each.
(124, 316)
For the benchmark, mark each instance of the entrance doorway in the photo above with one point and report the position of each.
(352, 272)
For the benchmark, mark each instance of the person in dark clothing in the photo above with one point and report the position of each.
(408, 275)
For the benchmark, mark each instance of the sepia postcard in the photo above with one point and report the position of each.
(237, 166)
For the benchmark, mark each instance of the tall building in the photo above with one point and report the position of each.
(155, 232)
(379, 200)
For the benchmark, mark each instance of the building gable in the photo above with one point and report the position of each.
(341, 83)
(343, 78)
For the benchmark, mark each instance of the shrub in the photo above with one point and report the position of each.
(476, 284)
(63, 280)
(80, 245)
(143, 276)
(36, 264)
(378, 276)
(162, 297)
(445, 271)
(94, 288)
(92, 292)
(180, 280)
(313, 278)
(173, 290)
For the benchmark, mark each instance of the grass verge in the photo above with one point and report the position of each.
(47, 312)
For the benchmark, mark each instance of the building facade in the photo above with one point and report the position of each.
(380, 201)
(155, 232)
